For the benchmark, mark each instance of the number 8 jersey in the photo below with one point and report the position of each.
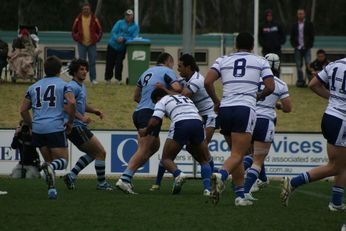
(47, 101)
(335, 74)
(241, 73)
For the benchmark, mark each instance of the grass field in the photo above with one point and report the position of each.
(26, 207)
(118, 105)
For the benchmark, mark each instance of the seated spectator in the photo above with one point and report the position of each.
(3, 55)
(318, 64)
(28, 166)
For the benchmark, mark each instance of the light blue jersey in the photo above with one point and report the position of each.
(147, 81)
(47, 102)
(80, 94)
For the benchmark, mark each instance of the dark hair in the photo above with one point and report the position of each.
(52, 66)
(245, 41)
(189, 60)
(163, 57)
(75, 64)
(321, 51)
(157, 93)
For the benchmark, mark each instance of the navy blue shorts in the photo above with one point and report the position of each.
(334, 130)
(264, 130)
(51, 140)
(141, 118)
(236, 119)
(187, 131)
(80, 135)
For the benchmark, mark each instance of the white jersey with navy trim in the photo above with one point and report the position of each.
(200, 96)
(266, 108)
(177, 108)
(241, 73)
(334, 74)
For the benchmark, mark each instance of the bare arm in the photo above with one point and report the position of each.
(70, 109)
(285, 105)
(269, 87)
(210, 78)
(95, 111)
(138, 94)
(153, 122)
(317, 86)
(24, 112)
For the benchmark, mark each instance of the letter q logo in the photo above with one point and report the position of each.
(122, 149)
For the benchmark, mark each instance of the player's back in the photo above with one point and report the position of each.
(334, 74)
(266, 108)
(147, 82)
(47, 99)
(240, 73)
(177, 108)
(80, 94)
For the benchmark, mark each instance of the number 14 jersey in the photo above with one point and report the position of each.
(240, 74)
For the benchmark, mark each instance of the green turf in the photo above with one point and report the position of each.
(26, 207)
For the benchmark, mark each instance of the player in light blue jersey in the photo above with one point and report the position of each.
(81, 136)
(46, 100)
(264, 131)
(193, 87)
(186, 129)
(240, 74)
(148, 145)
(334, 131)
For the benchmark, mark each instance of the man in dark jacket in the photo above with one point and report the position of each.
(271, 35)
(302, 40)
(87, 31)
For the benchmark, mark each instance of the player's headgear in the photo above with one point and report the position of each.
(274, 60)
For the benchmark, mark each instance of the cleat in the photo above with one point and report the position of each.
(49, 174)
(286, 191)
(217, 186)
(248, 196)
(336, 208)
(155, 187)
(52, 194)
(125, 187)
(178, 183)
(69, 181)
(105, 186)
(3, 192)
(242, 202)
(258, 185)
(206, 193)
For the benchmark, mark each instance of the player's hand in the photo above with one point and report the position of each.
(216, 107)
(86, 119)
(159, 85)
(99, 113)
(120, 40)
(142, 132)
(259, 97)
(68, 127)
(278, 106)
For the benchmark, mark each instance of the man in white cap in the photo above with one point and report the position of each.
(124, 30)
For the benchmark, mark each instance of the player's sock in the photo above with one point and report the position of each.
(302, 178)
(224, 174)
(251, 177)
(247, 162)
(100, 171)
(212, 165)
(160, 172)
(82, 162)
(59, 164)
(262, 175)
(337, 195)
(206, 175)
(239, 191)
(127, 175)
(176, 173)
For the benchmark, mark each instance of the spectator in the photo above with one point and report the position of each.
(123, 30)
(3, 55)
(302, 40)
(271, 35)
(28, 166)
(318, 64)
(87, 31)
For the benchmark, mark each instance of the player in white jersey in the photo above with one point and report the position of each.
(193, 87)
(333, 127)
(186, 129)
(240, 73)
(264, 131)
